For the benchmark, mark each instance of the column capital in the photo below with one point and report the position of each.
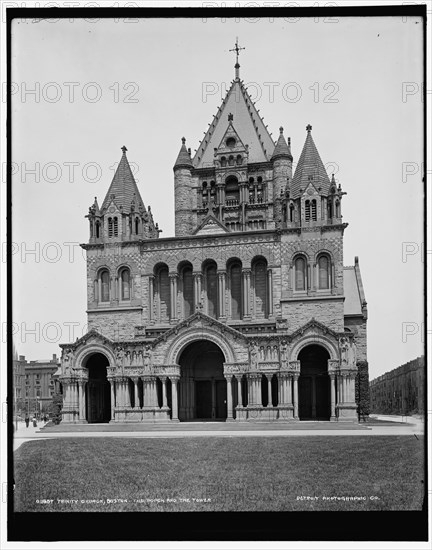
(173, 275)
(247, 271)
(228, 377)
(174, 378)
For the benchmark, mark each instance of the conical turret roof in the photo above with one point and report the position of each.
(123, 187)
(282, 149)
(183, 158)
(310, 169)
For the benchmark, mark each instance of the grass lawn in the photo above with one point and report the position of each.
(220, 474)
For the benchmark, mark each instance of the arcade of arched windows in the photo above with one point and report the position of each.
(108, 288)
(230, 292)
(318, 275)
(233, 192)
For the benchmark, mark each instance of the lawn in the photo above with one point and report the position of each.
(220, 474)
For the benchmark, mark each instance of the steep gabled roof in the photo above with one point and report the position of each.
(248, 124)
(309, 165)
(123, 187)
(183, 158)
(282, 149)
(210, 226)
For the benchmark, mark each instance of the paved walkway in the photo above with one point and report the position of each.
(379, 426)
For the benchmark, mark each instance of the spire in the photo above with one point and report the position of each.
(310, 169)
(123, 186)
(237, 50)
(183, 158)
(281, 149)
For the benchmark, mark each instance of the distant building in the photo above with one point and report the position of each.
(18, 381)
(39, 384)
(401, 390)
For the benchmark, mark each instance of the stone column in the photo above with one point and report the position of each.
(174, 381)
(112, 382)
(281, 387)
(246, 293)
(81, 400)
(259, 392)
(296, 377)
(230, 415)
(221, 293)
(269, 390)
(240, 393)
(151, 298)
(136, 395)
(332, 397)
(197, 287)
(163, 379)
(270, 292)
(173, 295)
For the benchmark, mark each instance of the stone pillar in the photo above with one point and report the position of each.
(81, 400)
(240, 393)
(151, 298)
(246, 293)
(270, 292)
(332, 397)
(221, 293)
(174, 381)
(296, 377)
(173, 295)
(259, 392)
(112, 382)
(163, 379)
(197, 278)
(269, 390)
(230, 415)
(136, 395)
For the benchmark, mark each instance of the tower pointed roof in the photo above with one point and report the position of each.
(238, 107)
(183, 158)
(282, 149)
(123, 189)
(310, 169)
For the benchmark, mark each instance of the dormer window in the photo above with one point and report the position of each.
(230, 142)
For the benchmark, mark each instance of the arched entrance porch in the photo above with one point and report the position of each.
(98, 393)
(202, 387)
(314, 383)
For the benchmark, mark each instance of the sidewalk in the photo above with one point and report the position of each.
(217, 429)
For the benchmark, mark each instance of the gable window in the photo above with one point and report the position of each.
(314, 210)
(115, 226)
(307, 210)
(110, 227)
(300, 273)
(223, 161)
(238, 160)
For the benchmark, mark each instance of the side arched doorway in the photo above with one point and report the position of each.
(98, 392)
(202, 387)
(314, 384)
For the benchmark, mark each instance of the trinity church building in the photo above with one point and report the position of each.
(247, 314)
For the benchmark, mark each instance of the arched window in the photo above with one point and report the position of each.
(235, 281)
(223, 161)
(125, 293)
(110, 227)
(329, 209)
(238, 160)
(259, 271)
(291, 213)
(188, 291)
(136, 226)
(231, 160)
(104, 281)
(232, 191)
(115, 226)
(163, 294)
(300, 273)
(323, 272)
(97, 229)
(211, 289)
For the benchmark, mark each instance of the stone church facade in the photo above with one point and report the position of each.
(247, 314)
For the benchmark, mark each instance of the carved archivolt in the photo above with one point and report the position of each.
(194, 334)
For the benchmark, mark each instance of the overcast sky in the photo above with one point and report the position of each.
(146, 83)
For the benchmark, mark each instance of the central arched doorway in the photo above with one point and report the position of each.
(98, 392)
(314, 384)
(202, 388)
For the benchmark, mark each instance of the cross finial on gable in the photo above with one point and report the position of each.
(237, 50)
(124, 149)
(308, 128)
(230, 117)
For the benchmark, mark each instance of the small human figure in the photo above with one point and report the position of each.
(27, 420)
(34, 422)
